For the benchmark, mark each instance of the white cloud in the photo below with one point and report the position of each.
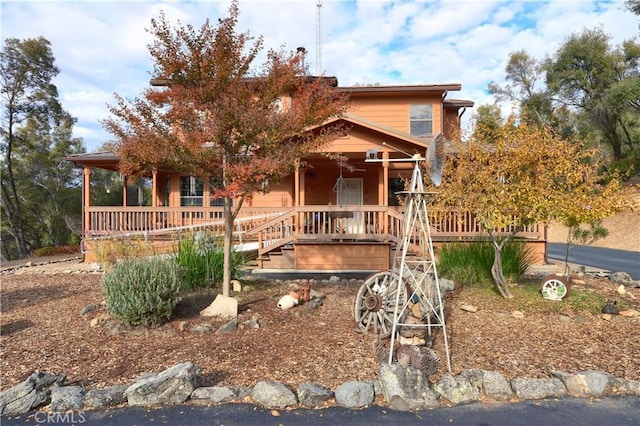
(101, 46)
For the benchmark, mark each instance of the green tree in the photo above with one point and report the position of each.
(633, 6)
(524, 86)
(486, 122)
(38, 189)
(599, 83)
(218, 116)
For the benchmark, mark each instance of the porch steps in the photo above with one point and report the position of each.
(282, 258)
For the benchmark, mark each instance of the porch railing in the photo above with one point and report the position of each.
(273, 227)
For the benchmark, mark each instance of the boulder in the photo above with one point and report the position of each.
(586, 383)
(103, 398)
(33, 392)
(355, 394)
(495, 386)
(622, 278)
(459, 389)
(67, 398)
(215, 394)
(526, 388)
(171, 386)
(406, 388)
(313, 395)
(273, 395)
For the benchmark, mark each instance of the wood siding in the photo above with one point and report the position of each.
(393, 111)
(342, 256)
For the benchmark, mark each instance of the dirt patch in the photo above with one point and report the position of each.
(43, 330)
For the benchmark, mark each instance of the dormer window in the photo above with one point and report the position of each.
(421, 120)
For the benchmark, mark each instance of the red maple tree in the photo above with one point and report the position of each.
(212, 114)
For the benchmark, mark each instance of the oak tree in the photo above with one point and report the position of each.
(529, 175)
(38, 190)
(217, 115)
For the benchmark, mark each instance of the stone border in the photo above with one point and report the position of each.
(403, 389)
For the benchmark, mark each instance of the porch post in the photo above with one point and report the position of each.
(383, 196)
(86, 199)
(385, 192)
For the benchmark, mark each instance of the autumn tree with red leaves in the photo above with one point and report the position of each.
(214, 115)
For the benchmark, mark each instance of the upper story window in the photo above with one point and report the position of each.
(191, 191)
(421, 119)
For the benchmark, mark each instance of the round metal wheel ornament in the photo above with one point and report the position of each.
(555, 288)
(376, 301)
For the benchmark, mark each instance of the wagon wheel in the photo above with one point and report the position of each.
(375, 303)
(555, 288)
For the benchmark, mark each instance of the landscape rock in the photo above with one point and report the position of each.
(458, 389)
(171, 386)
(252, 323)
(215, 394)
(469, 308)
(90, 308)
(622, 278)
(228, 327)
(222, 306)
(273, 395)
(446, 284)
(31, 393)
(107, 397)
(67, 398)
(355, 394)
(586, 383)
(526, 388)
(313, 395)
(619, 385)
(496, 386)
(203, 328)
(406, 388)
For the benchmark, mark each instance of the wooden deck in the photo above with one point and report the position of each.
(268, 230)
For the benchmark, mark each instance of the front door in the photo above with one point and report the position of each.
(350, 194)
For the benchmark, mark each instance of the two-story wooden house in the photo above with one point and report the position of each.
(328, 215)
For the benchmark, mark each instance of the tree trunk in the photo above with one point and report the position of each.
(13, 206)
(496, 271)
(228, 246)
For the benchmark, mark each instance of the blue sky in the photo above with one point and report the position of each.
(101, 46)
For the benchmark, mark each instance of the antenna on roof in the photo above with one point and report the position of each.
(319, 38)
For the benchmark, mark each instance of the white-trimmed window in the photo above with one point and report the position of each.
(191, 191)
(421, 120)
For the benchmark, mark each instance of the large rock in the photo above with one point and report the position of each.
(171, 386)
(623, 278)
(67, 398)
(406, 388)
(355, 394)
(273, 395)
(495, 386)
(103, 398)
(537, 388)
(222, 306)
(466, 387)
(623, 386)
(586, 383)
(312, 395)
(33, 392)
(214, 394)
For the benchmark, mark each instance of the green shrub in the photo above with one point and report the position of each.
(470, 263)
(201, 258)
(142, 291)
